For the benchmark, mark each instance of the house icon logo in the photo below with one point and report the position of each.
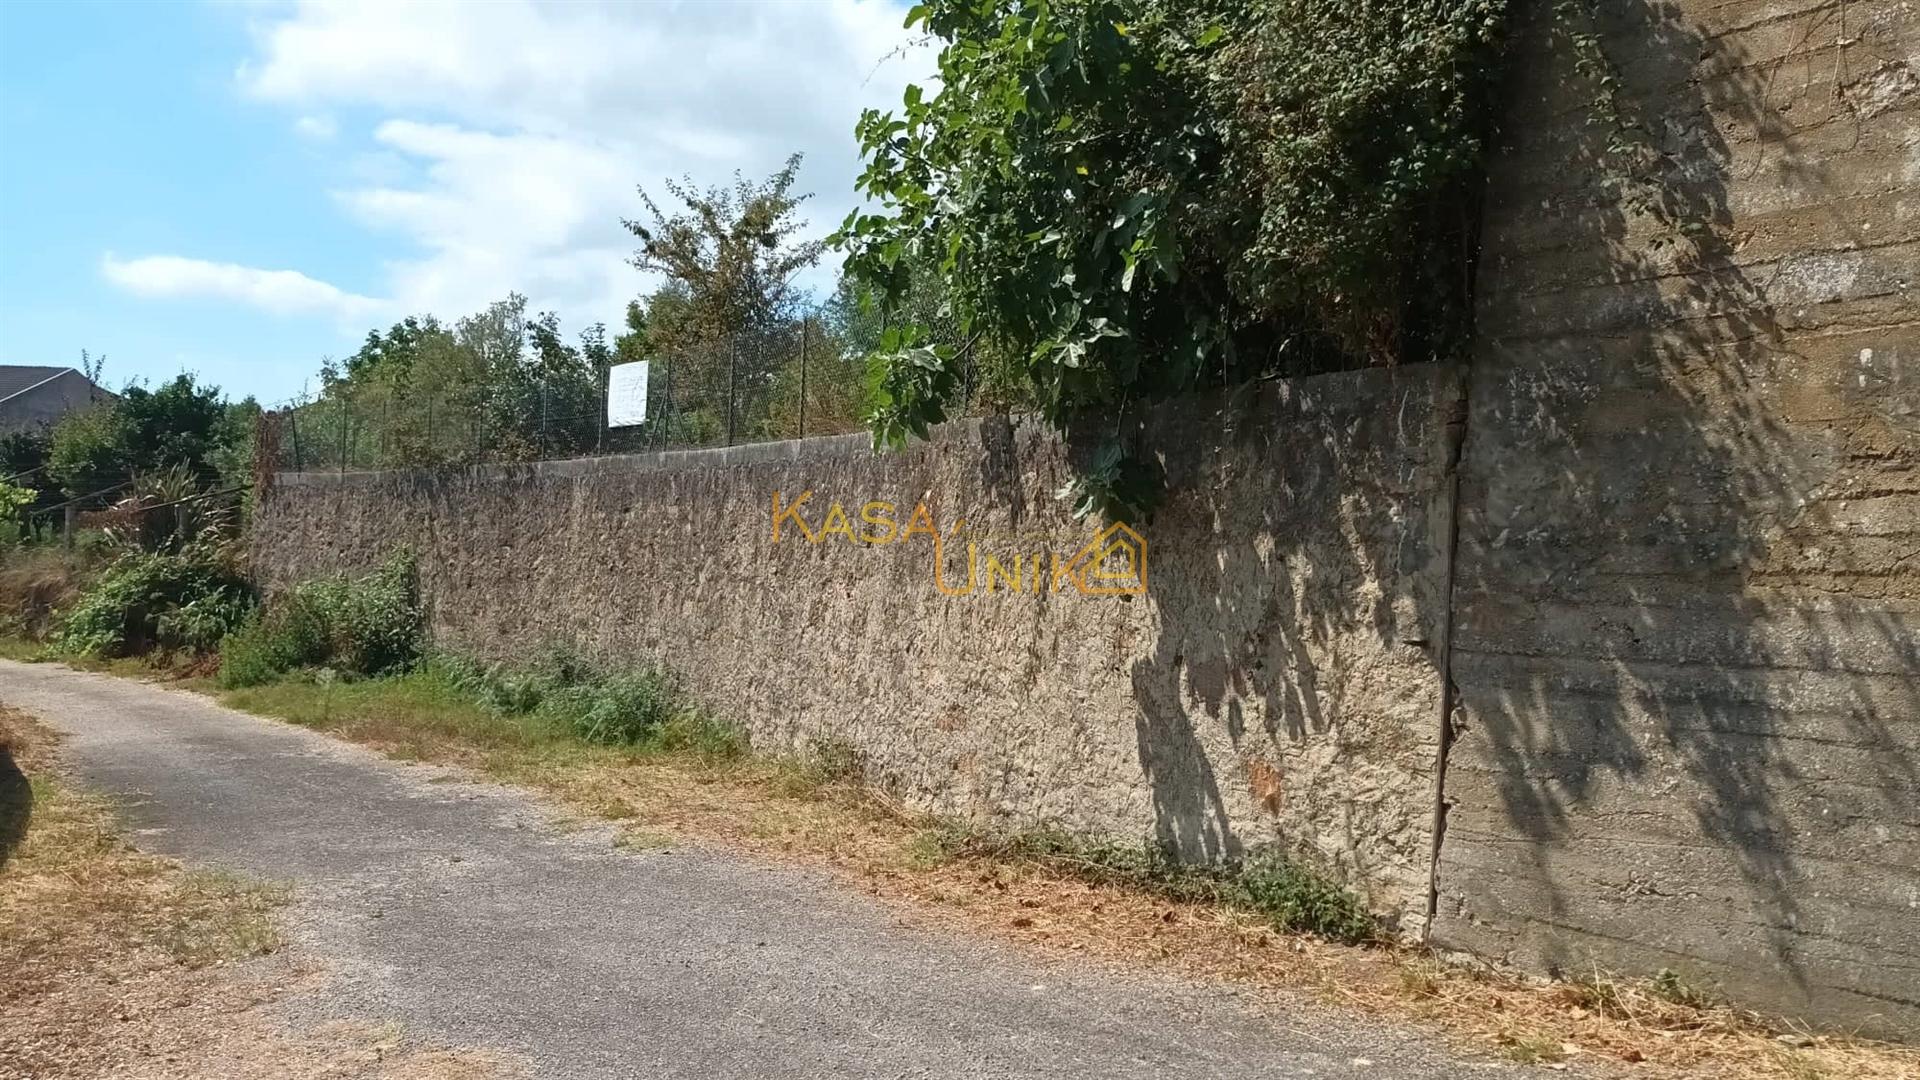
(1113, 563)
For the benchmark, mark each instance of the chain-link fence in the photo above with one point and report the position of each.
(789, 382)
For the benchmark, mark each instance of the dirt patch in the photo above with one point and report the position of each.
(118, 963)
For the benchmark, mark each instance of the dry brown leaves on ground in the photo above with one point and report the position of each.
(115, 963)
(1598, 1024)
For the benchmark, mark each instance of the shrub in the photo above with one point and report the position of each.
(260, 652)
(369, 625)
(374, 623)
(1128, 200)
(203, 622)
(188, 600)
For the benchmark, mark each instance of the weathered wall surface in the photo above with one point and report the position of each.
(1273, 685)
(1687, 632)
(1685, 616)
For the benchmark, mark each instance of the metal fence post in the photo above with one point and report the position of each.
(804, 320)
(346, 425)
(293, 429)
(733, 349)
(666, 415)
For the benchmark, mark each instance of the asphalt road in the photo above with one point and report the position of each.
(466, 913)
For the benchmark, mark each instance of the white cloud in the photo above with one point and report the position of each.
(281, 292)
(510, 135)
(317, 128)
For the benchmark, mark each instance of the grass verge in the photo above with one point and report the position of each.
(1055, 893)
(70, 880)
(118, 963)
(80, 907)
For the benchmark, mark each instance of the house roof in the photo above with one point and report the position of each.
(19, 378)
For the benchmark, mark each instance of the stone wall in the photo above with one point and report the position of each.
(1687, 609)
(1680, 607)
(1272, 686)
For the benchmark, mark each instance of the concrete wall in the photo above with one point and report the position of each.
(1684, 639)
(1272, 686)
(1687, 612)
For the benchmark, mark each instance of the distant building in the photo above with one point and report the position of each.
(34, 398)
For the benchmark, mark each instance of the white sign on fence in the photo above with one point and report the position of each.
(627, 394)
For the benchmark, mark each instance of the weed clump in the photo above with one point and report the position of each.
(1289, 895)
(368, 625)
(640, 707)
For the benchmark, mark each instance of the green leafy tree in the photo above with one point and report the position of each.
(89, 450)
(1136, 198)
(392, 355)
(724, 320)
(15, 503)
(182, 423)
(633, 344)
(23, 461)
(495, 385)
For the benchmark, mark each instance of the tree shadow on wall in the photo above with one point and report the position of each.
(1275, 566)
(1663, 595)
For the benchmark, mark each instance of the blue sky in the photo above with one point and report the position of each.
(239, 190)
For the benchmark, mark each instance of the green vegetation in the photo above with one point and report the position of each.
(182, 424)
(153, 470)
(563, 690)
(495, 385)
(15, 501)
(363, 639)
(146, 601)
(1288, 895)
(727, 330)
(552, 705)
(368, 625)
(1130, 199)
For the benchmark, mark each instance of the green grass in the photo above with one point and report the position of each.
(1535, 1050)
(424, 703)
(13, 647)
(561, 713)
(442, 704)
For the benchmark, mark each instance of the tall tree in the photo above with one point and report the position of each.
(734, 249)
(725, 320)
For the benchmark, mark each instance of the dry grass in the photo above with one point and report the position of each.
(36, 582)
(73, 886)
(115, 962)
(816, 813)
(894, 855)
